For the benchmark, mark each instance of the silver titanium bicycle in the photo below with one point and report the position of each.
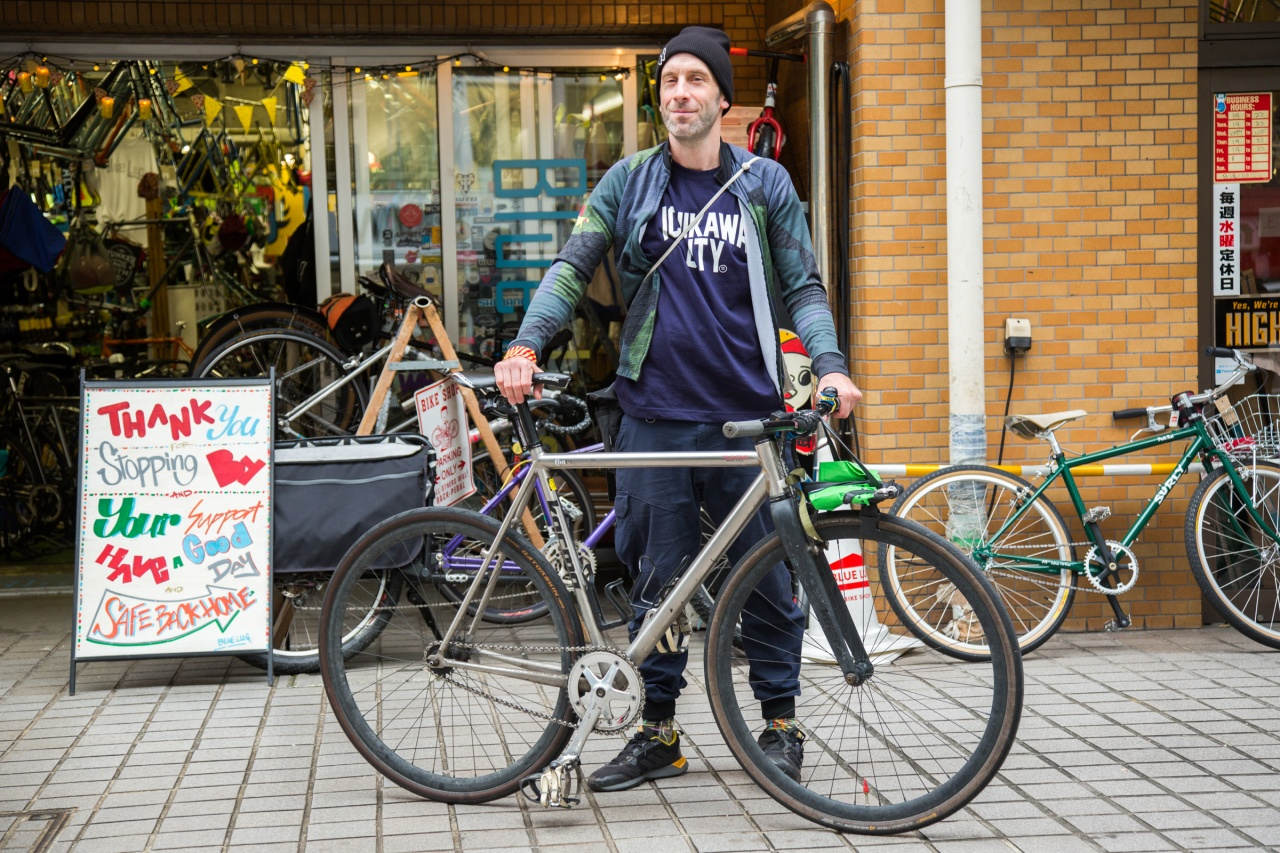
(456, 708)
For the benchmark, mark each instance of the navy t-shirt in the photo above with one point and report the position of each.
(704, 362)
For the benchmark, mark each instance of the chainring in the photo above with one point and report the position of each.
(1126, 563)
(558, 556)
(615, 681)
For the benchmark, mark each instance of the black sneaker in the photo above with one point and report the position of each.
(784, 746)
(652, 753)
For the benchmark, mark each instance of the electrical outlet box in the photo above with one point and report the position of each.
(1017, 335)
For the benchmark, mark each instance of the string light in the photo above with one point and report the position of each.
(24, 69)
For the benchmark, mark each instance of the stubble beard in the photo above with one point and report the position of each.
(696, 130)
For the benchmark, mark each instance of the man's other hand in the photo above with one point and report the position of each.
(849, 393)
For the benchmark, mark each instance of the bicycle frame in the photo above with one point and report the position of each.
(770, 483)
(1201, 444)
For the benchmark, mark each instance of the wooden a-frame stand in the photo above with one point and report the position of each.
(422, 309)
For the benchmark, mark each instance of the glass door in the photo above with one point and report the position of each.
(526, 149)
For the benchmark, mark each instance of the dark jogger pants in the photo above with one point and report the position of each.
(658, 533)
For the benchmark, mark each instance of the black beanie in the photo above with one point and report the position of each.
(708, 44)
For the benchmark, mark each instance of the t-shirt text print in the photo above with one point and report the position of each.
(705, 244)
(704, 362)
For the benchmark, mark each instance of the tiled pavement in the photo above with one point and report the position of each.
(1129, 742)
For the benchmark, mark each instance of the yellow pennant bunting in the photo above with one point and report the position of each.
(294, 74)
(245, 114)
(212, 106)
(269, 104)
(183, 81)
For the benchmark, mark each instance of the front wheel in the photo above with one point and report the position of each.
(909, 745)
(968, 505)
(1234, 560)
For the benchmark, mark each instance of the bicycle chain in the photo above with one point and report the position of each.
(502, 647)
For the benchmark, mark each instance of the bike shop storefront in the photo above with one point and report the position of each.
(193, 181)
(464, 169)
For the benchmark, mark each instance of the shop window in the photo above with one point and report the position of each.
(204, 164)
(1242, 12)
(397, 174)
(527, 148)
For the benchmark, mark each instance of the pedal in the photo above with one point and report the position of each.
(1116, 625)
(618, 598)
(1096, 514)
(552, 788)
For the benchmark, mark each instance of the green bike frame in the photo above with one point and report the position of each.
(1201, 444)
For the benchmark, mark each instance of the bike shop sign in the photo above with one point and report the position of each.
(174, 545)
(443, 419)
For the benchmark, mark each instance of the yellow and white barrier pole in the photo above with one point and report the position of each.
(1118, 470)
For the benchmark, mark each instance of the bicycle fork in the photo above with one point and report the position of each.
(810, 565)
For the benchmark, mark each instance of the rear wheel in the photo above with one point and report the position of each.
(463, 724)
(907, 746)
(967, 505)
(304, 365)
(1234, 560)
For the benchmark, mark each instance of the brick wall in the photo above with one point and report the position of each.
(1089, 181)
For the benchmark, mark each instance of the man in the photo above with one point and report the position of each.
(699, 347)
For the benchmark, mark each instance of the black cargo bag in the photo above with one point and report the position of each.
(329, 491)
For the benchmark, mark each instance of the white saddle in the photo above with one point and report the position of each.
(1034, 426)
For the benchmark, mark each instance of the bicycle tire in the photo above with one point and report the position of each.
(38, 474)
(766, 143)
(1038, 603)
(238, 321)
(1233, 560)
(910, 745)
(295, 614)
(304, 365)
(450, 734)
(516, 605)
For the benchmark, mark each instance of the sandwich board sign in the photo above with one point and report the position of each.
(173, 534)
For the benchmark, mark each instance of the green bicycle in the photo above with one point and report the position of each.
(1018, 537)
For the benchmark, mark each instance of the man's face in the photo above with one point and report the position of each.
(690, 99)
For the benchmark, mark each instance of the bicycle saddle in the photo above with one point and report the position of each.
(1033, 426)
(399, 283)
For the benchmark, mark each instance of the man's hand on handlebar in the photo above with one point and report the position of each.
(515, 379)
(849, 393)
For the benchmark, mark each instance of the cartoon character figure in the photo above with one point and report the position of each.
(800, 373)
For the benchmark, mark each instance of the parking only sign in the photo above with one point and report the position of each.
(442, 418)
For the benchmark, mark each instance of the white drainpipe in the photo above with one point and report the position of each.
(963, 84)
